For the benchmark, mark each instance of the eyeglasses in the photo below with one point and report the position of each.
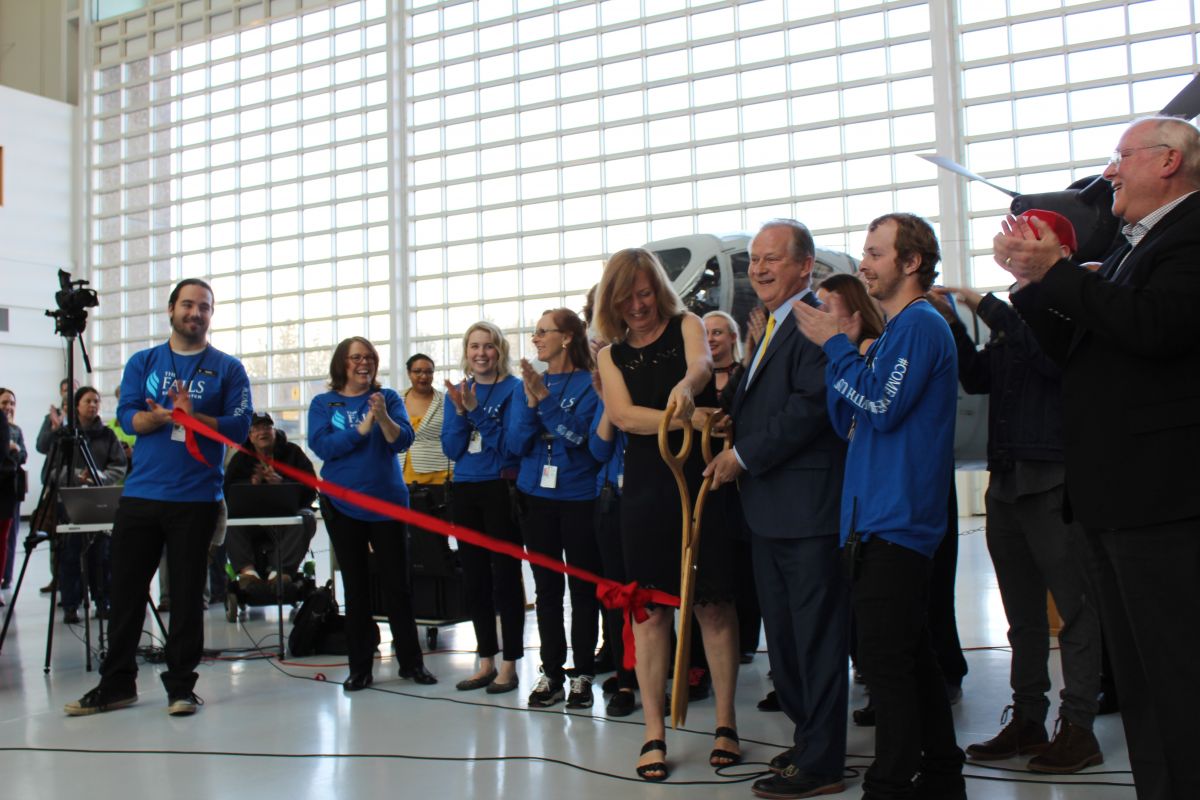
(359, 358)
(1118, 155)
(538, 333)
(428, 372)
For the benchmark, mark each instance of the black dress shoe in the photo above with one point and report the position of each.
(781, 761)
(418, 673)
(769, 703)
(792, 783)
(357, 681)
(864, 717)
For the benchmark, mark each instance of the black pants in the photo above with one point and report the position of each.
(555, 527)
(353, 540)
(493, 579)
(943, 622)
(805, 607)
(99, 569)
(612, 556)
(140, 532)
(1145, 583)
(914, 729)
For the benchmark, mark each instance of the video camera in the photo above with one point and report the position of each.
(73, 302)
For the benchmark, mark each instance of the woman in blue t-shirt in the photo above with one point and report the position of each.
(484, 471)
(557, 484)
(357, 430)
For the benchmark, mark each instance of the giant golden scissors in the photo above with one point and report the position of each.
(690, 544)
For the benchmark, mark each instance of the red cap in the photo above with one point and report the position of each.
(1061, 226)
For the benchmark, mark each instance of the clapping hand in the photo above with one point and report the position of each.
(849, 323)
(535, 384)
(816, 325)
(180, 397)
(161, 414)
(1026, 247)
(367, 423)
(379, 407)
(756, 325)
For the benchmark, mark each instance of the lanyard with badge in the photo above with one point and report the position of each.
(549, 470)
(475, 445)
(178, 432)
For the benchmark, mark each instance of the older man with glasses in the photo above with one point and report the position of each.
(1126, 340)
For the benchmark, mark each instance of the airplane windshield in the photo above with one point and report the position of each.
(674, 260)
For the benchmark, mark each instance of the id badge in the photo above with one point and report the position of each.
(621, 481)
(549, 476)
(178, 433)
(476, 443)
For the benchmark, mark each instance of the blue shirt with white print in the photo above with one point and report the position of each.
(897, 408)
(366, 464)
(555, 433)
(490, 421)
(218, 387)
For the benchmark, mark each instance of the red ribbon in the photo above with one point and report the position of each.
(630, 598)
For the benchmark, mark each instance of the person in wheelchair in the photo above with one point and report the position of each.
(247, 545)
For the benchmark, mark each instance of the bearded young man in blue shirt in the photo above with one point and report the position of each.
(171, 500)
(896, 406)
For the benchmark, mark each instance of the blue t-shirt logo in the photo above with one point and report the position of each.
(152, 385)
(338, 420)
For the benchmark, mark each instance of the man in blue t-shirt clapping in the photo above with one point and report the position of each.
(171, 500)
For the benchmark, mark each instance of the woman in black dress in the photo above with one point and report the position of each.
(660, 356)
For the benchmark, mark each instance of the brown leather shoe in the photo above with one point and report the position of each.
(1019, 737)
(1073, 748)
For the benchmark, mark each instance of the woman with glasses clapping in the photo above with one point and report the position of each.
(358, 428)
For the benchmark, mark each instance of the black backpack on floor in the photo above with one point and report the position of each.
(316, 614)
(319, 629)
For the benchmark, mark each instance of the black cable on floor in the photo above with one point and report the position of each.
(738, 777)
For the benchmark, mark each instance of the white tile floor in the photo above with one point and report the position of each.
(274, 730)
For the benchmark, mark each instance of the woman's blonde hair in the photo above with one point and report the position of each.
(498, 339)
(616, 287)
(735, 333)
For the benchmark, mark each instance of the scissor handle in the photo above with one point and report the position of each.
(706, 435)
(674, 460)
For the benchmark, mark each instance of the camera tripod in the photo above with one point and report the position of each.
(69, 445)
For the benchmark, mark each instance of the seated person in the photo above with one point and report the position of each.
(292, 540)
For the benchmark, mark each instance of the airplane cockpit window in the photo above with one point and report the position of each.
(707, 294)
(674, 260)
(744, 298)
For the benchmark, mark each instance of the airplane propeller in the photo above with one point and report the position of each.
(1086, 202)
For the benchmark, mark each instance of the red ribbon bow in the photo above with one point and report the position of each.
(632, 599)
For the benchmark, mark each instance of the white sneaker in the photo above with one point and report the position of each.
(183, 705)
(581, 692)
(546, 692)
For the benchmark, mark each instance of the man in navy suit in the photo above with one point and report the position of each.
(1126, 340)
(788, 462)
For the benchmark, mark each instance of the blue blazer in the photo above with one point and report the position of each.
(793, 484)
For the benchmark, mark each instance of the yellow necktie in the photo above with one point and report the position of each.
(762, 350)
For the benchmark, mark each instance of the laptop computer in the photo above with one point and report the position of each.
(249, 500)
(91, 505)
